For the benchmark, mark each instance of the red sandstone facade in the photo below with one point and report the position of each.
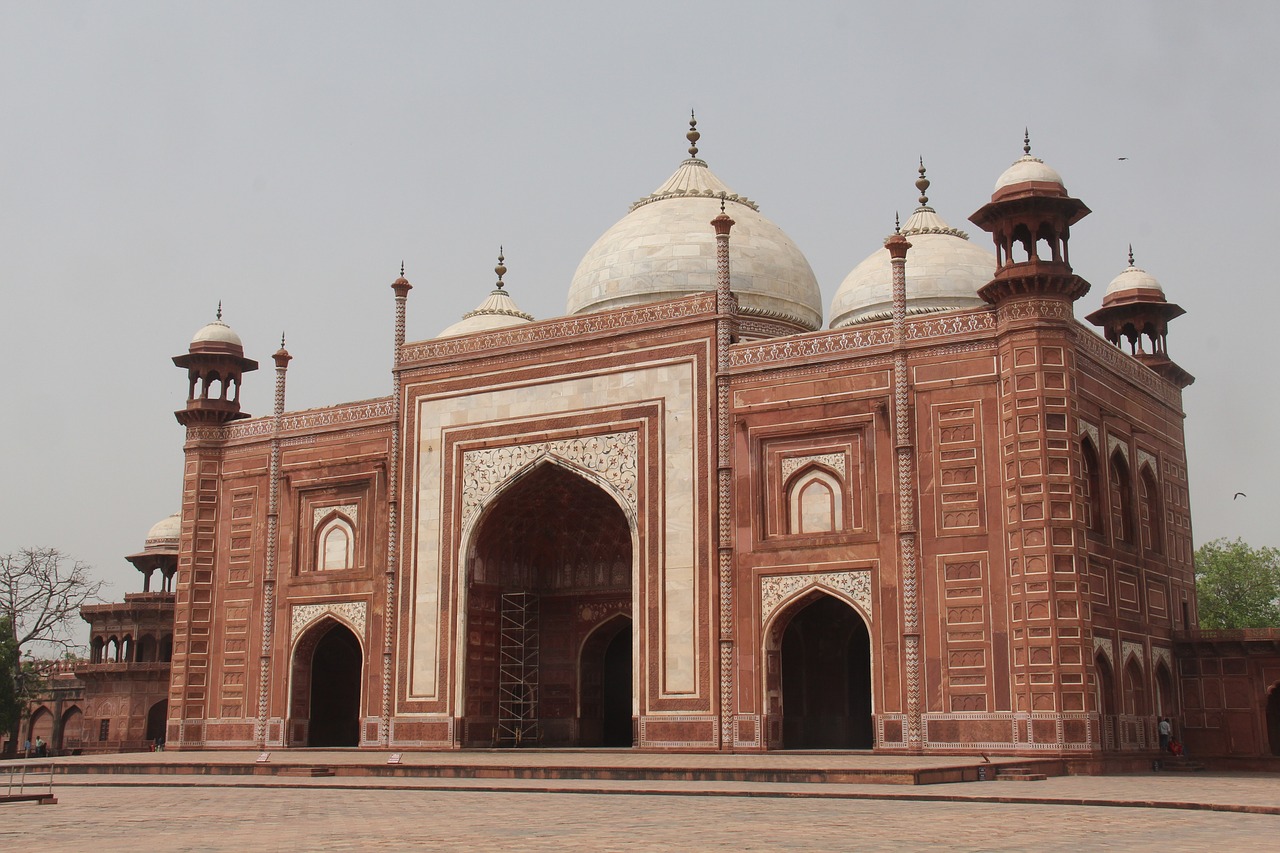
(679, 526)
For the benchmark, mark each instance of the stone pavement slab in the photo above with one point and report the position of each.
(217, 818)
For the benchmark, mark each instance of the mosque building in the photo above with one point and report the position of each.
(685, 516)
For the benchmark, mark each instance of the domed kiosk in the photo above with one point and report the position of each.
(498, 311)
(664, 248)
(944, 271)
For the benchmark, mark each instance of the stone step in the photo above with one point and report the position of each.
(310, 771)
(1021, 777)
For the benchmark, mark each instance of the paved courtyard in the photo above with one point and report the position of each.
(141, 817)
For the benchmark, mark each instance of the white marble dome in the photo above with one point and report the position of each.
(665, 248)
(1028, 168)
(944, 271)
(1132, 279)
(498, 311)
(217, 332)
(164, 532)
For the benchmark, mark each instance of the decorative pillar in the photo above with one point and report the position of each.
(401, 286)
(904, 450)
(282, 359)
(726, 330)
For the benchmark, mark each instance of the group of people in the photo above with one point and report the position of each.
(1168, 743)
(41, 747)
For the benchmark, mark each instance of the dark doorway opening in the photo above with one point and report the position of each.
(156, 720)
(826, 678)
(335, 689)
(548, 657)
(605, 709)
(1273, 719)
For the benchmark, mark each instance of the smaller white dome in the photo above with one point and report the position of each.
(944, 273)
(217, 332)
(1132, 279)
(166, 531)
(1028, 168)
(498, 311)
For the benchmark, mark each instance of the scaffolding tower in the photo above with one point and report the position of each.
(518, 671)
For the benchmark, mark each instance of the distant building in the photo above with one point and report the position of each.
(686, 517)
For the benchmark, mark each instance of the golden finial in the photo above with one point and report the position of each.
(922, 184)
(1026, 141)
(693, 136)
(501, 268)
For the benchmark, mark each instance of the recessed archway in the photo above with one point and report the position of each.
(1273, 719)
(157, 715)
(327, 666)
(604, 699)
(549, 561)
(825, 661)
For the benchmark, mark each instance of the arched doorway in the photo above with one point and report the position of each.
(327, 666)
(1105, 686)
(1273, 719)
(72, 729)
(548, 564)
(605, 693)
(156, 717)
(826, 677)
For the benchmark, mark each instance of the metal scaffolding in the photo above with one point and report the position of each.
(518, 671)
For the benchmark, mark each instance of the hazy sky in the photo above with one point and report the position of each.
(285, 157)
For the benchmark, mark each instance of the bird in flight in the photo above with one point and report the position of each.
(1240, 495)
(1122, 158)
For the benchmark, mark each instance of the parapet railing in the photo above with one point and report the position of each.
(27, 781)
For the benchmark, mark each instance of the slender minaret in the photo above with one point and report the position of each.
(904, 449)
(401, 286)
(282, 359)
(726, 330)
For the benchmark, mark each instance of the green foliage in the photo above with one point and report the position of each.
(10, 694)
(1237, 586)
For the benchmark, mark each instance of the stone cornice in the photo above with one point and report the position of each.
(860, 340)
(563, 330)
(1126, 366)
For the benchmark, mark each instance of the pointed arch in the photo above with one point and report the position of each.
(1135, 688)
(815, 500)
(335, 543)
(1121, 498)
(1091, 485)
(326, 684)
(1150, 510)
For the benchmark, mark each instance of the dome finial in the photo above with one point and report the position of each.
(1026, 141)
(922, 184)
(1130, 254)
(693, 136)
(722, 202)
(501, 268)
(402, 269)
(219, 310)
(897, 223)
(282, 340)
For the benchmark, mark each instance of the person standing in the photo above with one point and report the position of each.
(1166, 730)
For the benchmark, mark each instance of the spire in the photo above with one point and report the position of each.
(219, 310)
(1130, 254)
(922, 184)
(693, 136)
(1026, 141)
(501, 268)
(897, 223)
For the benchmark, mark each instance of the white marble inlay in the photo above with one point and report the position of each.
(671, 382)
(352, 613)
(321, 512)
(774, 589)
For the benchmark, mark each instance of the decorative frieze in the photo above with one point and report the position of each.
(559, 331)
(349, 414)
(1128, 649)
(834, 461)
(318, 514)
(612, 457)
(352, 613)
(854, 585)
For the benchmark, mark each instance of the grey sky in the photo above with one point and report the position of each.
(285, 157)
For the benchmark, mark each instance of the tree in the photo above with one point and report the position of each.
(41, 593)
(1237, 586)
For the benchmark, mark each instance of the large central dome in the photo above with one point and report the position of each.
(665, 248)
